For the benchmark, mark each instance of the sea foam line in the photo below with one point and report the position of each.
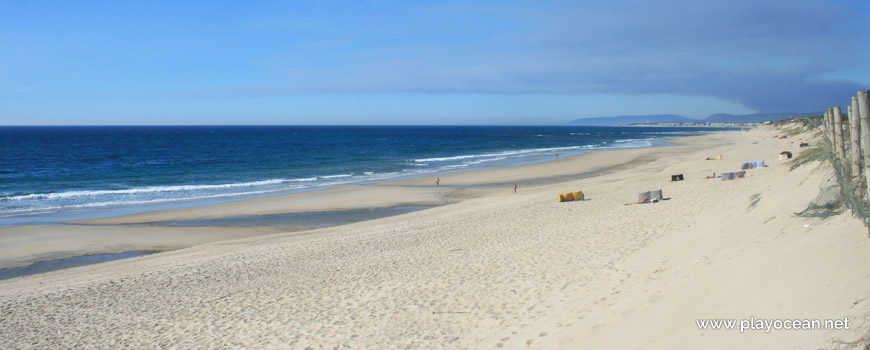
(153, 189)
(498, 154)
(49, 209)
(104, 198)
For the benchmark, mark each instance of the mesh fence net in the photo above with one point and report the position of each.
(839, 190)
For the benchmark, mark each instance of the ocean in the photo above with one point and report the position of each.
(70, 169)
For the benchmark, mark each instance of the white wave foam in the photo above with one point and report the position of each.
(154, 189)
(497, 154)
(474, 162)
(334, 176)
(47, 209)
(629, 140)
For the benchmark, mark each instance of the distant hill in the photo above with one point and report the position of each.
(633, 119)
(673, 118)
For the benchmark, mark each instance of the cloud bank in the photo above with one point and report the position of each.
(771, 56)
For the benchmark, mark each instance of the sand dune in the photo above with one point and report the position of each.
(494, 269)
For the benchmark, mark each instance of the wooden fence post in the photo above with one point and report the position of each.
(825, 118)
(825, 122)
(839, 142)
(864, 115)
(855, 138)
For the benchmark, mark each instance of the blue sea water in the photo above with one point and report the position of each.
(73, 168)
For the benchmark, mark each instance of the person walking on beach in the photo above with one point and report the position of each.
(515, 188)
(438, 181)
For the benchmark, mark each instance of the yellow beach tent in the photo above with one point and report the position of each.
(571, 196)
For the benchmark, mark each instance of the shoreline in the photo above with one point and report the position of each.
(30, 244)
(85, 211)
(494, 269)
(743, 127)
(418, 189)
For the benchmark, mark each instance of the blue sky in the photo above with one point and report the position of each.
(421, 62)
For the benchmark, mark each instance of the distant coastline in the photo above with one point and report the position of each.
(692, 125)
(721, 119)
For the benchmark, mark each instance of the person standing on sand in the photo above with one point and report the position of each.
(438, 181)
(515, 188)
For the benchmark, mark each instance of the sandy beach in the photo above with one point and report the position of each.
(485, 268)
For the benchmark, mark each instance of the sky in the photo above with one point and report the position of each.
(423, 62)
